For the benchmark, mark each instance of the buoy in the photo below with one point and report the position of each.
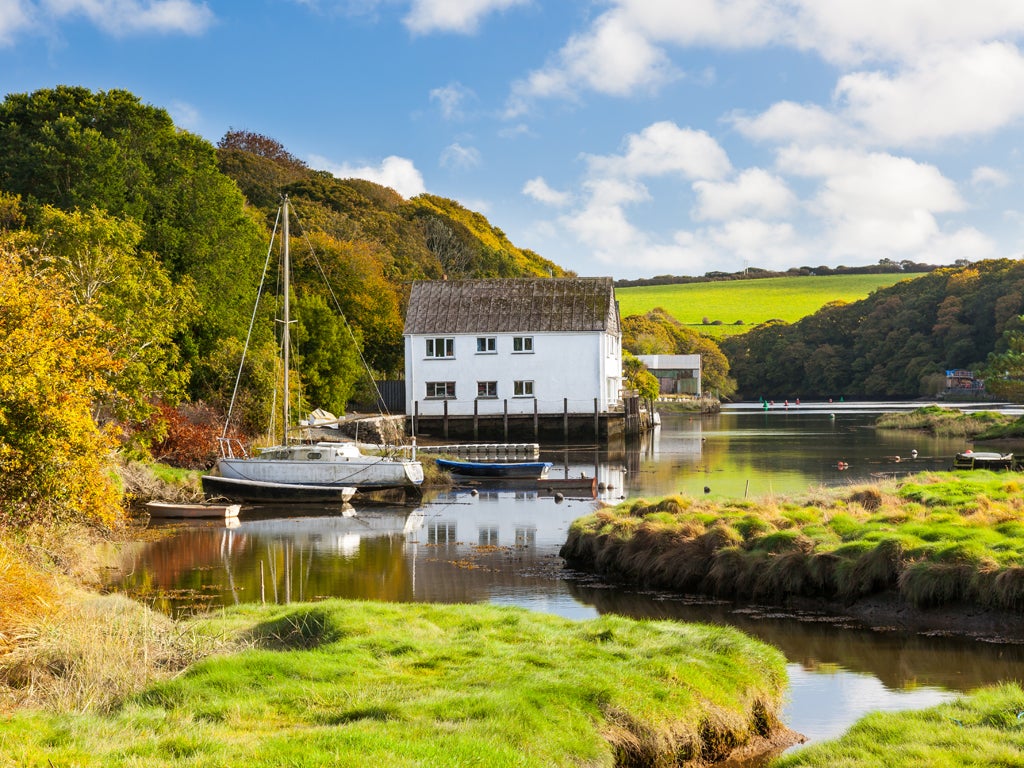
(474, 492)
(706, 489)
(913, 453)
(558, 498)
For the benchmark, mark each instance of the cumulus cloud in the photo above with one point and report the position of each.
(459, 157)
(665, 148)
(399, 173)
(15, 16)
(462, 16)
(754, 192)
(538, 189)
(126, 17)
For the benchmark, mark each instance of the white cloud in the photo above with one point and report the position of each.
(538, 189)
(665, 148)
(15, 16)
(450, 99)
(787, 121)
(125, 17)
(944, 94)
(462, 16)
(460, 157)
(184, 115)
(755, 191)
(986, 176)
(399, 173)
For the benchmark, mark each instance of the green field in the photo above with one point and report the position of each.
(750, 301)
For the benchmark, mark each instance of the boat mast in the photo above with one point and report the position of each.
(285, 336)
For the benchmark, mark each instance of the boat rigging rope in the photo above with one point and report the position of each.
(252, 323)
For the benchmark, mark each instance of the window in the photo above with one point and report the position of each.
(486, 345)
(522, 389)
(522, 343)
(486, 389)
(441, 389)
(441, 347)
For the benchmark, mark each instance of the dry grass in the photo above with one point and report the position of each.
(65, 649)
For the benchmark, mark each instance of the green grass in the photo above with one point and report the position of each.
(347, 683)
(935, 540)
(985, 728)
(750, 301)
(947, 422)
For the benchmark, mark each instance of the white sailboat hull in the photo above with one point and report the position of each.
(364, 473)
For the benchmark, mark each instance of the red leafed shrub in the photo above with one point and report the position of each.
(191, 438)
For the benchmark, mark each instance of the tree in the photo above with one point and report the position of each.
(55, 463)
(639, 378)
(96, 257)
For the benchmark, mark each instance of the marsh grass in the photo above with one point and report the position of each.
(984, 728)
(946, 422)
(346, 683)
(938, 539)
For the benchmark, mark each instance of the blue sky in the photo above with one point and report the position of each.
(620, 137)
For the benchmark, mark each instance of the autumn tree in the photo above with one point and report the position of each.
(55, 463)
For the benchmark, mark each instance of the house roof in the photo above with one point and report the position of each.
(511, 305)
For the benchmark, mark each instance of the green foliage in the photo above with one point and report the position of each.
(898, 342)
(638, 377)
(55, 464)
(325, 355)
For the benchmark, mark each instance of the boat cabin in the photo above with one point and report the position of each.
(314, 452)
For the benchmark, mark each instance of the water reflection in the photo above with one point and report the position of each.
(500, 544)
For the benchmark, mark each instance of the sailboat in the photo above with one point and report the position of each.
(304, 472)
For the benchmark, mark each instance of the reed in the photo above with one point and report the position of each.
(937, 539)
(946, 422)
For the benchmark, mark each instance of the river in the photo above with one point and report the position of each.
(500, 545)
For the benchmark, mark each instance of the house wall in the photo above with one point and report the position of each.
(578, 366)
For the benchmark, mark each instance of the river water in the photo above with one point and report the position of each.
(500, 545)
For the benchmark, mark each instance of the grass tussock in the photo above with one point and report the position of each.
(984, 728)
(946, 422)
(332, 683)
(937, 539)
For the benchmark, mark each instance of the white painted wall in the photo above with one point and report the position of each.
(577, 366)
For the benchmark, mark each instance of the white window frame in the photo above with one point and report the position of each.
(522, 388)
(490, 390)
(486, 345)
(445, 388)
(522, 345)
(441, 347)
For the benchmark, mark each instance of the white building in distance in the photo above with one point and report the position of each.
(514, 346)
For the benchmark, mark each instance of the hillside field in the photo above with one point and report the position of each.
(750, 301)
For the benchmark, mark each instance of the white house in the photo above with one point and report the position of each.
(516, 346)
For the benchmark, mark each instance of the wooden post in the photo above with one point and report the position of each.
(506, 420)
(476, 420)
(597, 421)
(565, 418)
(536, 422)
(445, 419)
(415, 415)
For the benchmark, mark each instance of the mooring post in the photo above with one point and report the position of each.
(476, 420)
(506, 420)
(445, 419)
(565, 418)
(597, 421)
(415, 415)
(536, 422)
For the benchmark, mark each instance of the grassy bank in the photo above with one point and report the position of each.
(936, 540)
(736, 306)
(356, 683)
(985, 728)
(949, 422)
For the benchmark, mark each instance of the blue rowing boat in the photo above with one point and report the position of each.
(535, 470)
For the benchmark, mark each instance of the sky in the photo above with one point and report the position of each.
(628, 138)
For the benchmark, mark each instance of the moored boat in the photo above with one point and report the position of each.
(535, 470)
(185, 510)
(984, 460)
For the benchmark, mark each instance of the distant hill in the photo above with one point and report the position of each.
(734, 307)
